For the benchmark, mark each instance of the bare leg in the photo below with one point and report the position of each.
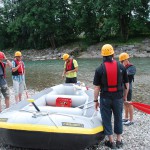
(131, 112)
(126, 111)
(16, 98)
(118, 137)
(7, 102)
(110, 137)
(20, 95)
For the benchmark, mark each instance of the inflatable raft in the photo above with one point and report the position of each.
(62, 117)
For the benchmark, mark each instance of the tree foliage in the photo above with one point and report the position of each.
(51, 23)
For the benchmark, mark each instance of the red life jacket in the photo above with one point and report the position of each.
(111, 78)
(3, 66)
(20, 70)
(70, 65)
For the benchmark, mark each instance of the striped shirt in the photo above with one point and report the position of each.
(18, 78)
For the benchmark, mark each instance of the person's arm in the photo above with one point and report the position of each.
(64, 72)
(97, 82)
(8, 63)
(74, 70)
(96, 94)
(15, 68)
(126, 91)
(126, 83)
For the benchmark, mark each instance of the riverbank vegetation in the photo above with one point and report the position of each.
(39, 24)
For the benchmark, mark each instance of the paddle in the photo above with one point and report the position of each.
(142, 107)
(25, 87)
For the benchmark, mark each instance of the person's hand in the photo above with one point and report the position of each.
(63, 76)
(20, 63)
(67, 72)
(96, 106)
(125, 98)
(5, 56)
(126, 103)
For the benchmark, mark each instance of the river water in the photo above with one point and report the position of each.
(43, 74)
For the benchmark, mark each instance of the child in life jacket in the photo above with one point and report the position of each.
(131, 70)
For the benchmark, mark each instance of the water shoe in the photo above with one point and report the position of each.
(128, 123)
(110, 144)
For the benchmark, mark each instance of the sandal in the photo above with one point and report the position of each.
(110, 144)
(119, 144)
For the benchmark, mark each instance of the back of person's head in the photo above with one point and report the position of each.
(108, 58)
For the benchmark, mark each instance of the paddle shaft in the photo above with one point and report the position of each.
(24, 81)
(36, 107)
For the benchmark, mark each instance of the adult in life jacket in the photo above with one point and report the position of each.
(18, 71)
(70, 69)
(131, 70)
(3, 83)
(109, 80)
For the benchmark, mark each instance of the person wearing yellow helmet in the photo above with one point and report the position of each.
(109, 79)
(131, 71)
(70, 69)
(18, 71)
(3, 83)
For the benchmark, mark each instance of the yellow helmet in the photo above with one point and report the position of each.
(123, 56)
(65, 56)
(107, 50)
(18, 53)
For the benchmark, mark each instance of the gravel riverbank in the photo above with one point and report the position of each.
(135, 137)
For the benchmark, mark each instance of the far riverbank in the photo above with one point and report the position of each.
(140, 50)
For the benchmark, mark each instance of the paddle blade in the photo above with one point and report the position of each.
(142, 107)
(30, 100)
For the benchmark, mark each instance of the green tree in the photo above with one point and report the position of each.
(40, 23)
(86, 19)
(117, 16)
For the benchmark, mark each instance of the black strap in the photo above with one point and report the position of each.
(119, 77)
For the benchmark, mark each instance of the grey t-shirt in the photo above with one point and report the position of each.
(2, 79)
